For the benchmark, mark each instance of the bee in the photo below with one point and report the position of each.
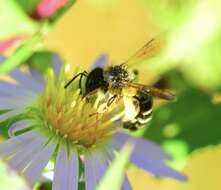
(119, 82)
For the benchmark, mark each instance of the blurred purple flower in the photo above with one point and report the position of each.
(46, 8)
(56, 122)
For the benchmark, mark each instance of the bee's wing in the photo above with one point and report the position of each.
(162, 94)
(158, 93)
(152, 47)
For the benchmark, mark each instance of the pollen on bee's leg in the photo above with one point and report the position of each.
(101, 108)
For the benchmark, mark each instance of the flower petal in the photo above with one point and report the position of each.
(143, 147)
(66, 171)
(15, 127)
(2, 58)
(25, 154)
(101, 61)
(36, 76)
(95, 167)
(101, 160)
(9, 147)
(73, 172)
(9, 114)
(10, 103)
(126, 185)
(156, 167)
(14, 90)
(56, 64)
(26, 80)
(90, 177)
(40, 160)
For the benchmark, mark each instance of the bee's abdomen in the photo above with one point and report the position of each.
(140, 121)
(145, 113)
(144, 118)
(130, 125)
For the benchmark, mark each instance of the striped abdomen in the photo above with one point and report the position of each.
(144, 116)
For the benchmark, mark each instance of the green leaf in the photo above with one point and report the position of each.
(193, 43)
(169, 13)
(29, 6)
(41, 60)
(116, 171)
(190, 123)
(204, 68)
(13, 20)
(43, 185)
(61, 11)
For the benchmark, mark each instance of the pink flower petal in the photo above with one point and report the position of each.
(47, 8)
(5, 44)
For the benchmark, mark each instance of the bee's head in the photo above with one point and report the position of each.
(116, 74)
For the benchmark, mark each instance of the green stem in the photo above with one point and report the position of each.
(21, 54)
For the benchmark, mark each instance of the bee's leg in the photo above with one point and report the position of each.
(84, 74)
(109, 103)
(104, 107)
(111, 100)
(76, 76)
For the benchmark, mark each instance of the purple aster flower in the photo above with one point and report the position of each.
(56, 126)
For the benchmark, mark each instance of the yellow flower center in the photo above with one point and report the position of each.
(70, 116)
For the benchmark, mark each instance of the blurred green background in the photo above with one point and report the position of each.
(187, 60)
